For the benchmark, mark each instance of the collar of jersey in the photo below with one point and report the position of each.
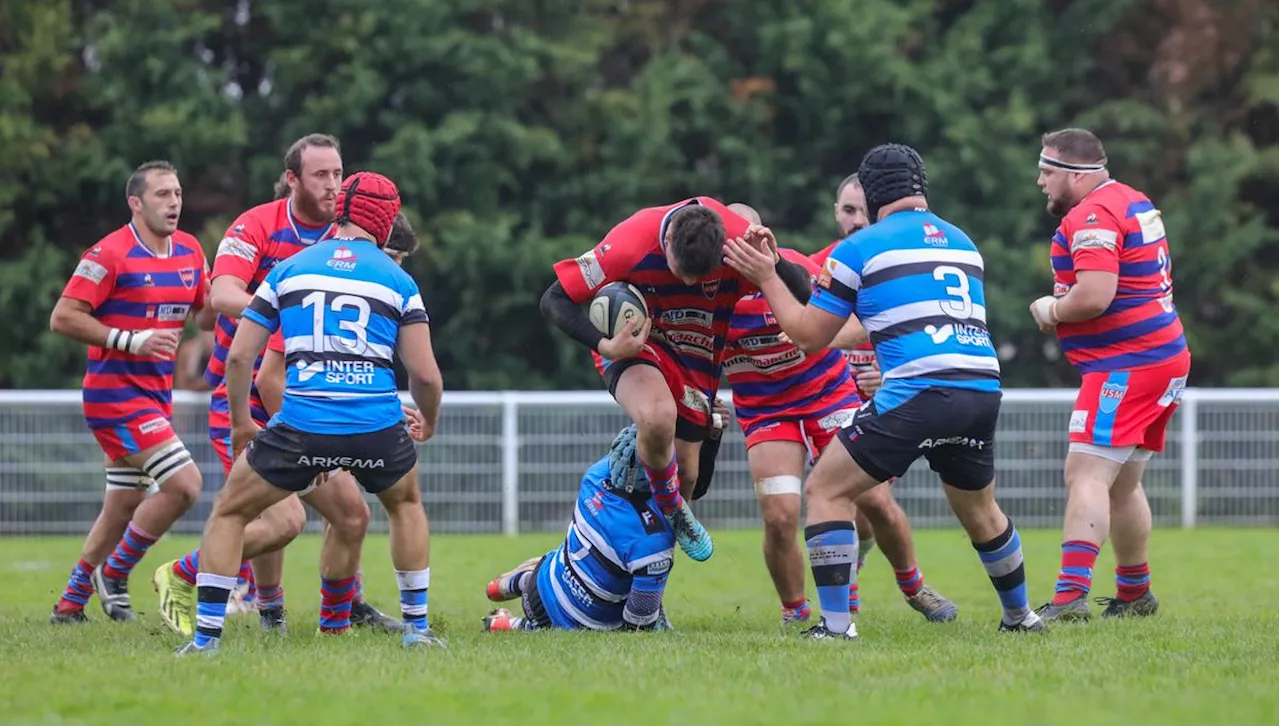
(666, 218)
(137, 238)
(293, 225)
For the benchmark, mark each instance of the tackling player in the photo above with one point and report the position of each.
(128, 300)
(1112, 309)
(789, 404)
(344, 310)
(258, 240)
(346, 515)
(611, 571)
(915, 282)
(665, 373)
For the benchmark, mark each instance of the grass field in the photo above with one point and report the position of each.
(1210, 656)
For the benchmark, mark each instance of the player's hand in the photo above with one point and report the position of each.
(869, 382)
(626, 343)
(161, 344)
(1045, 312)
(720, 416)
(241, 436)
(417, 426)
(762, 237)
(748, 258)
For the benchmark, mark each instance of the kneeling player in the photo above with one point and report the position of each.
(611, 570)
(788, 401)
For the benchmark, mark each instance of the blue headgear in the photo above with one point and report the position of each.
(626, 473)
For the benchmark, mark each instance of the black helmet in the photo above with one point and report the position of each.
(890, 172)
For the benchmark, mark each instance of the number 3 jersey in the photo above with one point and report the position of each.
(1116, 229)
(339, 305)
(915, 282)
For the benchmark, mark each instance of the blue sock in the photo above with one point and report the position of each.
(212, 592)
(413, 597)
(1002, 557)
(833, 549)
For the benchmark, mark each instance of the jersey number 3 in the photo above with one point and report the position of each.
(962, 306)
(340, 305)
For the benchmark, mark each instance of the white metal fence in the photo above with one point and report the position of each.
(511, 462)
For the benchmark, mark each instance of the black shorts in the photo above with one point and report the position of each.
(290, 459)
(686, 430)
(953, 428)
(531, 599)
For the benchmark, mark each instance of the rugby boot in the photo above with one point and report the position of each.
(1140, 608)
(932, 605)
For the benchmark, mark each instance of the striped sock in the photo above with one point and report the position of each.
(1132, 581)
(833, 547)
(212, 592)
(1078, 558)
(271, 596)
(79, 589)
(246, 573)
(335, 604)
(666, 488)
(1002, 557)
(132, 548)
(188, 567)
(413, 597)
(909, 581)
(855, 601)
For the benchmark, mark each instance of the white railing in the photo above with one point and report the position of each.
(510, 461)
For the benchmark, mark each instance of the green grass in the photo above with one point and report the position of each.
(1209, 657)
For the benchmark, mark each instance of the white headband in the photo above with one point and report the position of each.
(1048, 162)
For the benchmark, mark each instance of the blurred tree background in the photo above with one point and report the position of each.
(520, 131)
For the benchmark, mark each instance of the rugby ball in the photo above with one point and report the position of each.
(615, 305)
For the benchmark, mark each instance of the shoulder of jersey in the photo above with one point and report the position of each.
(117, 241)
(264, 215)
(188, 240)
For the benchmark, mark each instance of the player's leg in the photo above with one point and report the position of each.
(410, 555)
(264, 475)
(356, 513)
(890, 523)
(1131, 537)
(866, 538)
(264, 541)
(341, 504)
(776, 456)
(126, 488)
(168, 463)
(512, 583)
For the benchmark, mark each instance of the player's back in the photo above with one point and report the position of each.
(770, 377)
(133, 288)
(1116, 228)
(341, 304)
(920, 296)
(585, 582)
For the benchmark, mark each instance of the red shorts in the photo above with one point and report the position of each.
(1129, 408)
(222, 447)
(693, 406)
(813, 433)
(144, 431)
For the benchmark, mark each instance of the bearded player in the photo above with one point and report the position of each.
(665, 373)
(791, 405)
(256, 241)
(1112, 309)
(128, 300)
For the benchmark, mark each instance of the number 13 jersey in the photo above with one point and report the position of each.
(339, 305)
(915, 282)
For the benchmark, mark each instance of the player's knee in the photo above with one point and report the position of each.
(291, 519)
(879, 506)
(781, 523)
(351, 525)
(656, 423)
(175, 472)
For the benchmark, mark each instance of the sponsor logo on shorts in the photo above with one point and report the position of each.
(153, 425)
(954, 441)
(1079, 421)
(838, 419)
(340, 462)
(694, 399)
(1110, 396)
(1173, 393)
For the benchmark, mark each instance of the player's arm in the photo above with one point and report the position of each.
(643, 609)
(580, 278)
(426, 385)
(795, 278)
(1095, 256)
(851, 336)
(261, 318)
(89, 287)
(270, 380)
(239, 256)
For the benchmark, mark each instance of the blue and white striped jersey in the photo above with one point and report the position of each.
(915, 282)
(614, 545)
(340, 305)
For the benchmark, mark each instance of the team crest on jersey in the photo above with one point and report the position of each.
(934, 236)
(710, 287)
(188, 277)
(343, 260)
(1110, 396)
(769, 319)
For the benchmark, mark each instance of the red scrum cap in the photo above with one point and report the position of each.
(369, 201)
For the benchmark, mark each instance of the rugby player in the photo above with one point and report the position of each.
(789, 404)
(256, 241)
(339, 500)
(915, 282)
(612, 568)
(1112, 309)
(664, 372)
(342, 306)
(128, 300)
